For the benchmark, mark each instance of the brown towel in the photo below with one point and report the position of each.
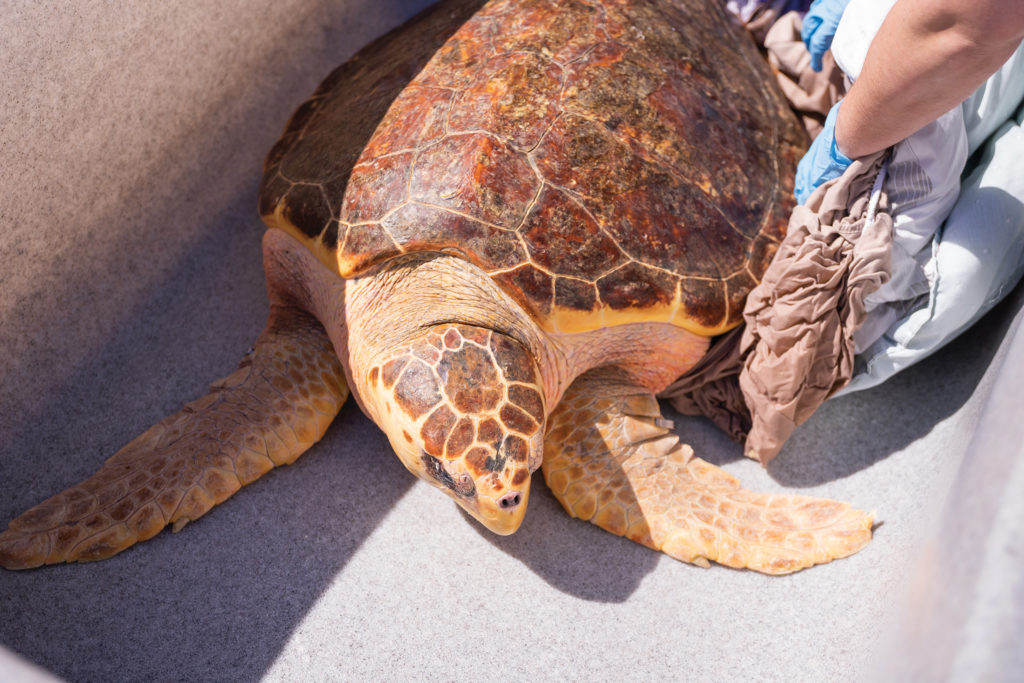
(796, 345)
(810, 93)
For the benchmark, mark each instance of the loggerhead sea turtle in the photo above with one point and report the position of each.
(563, 202)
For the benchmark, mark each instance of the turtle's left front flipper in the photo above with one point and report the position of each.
(276, 405)
(610, 458)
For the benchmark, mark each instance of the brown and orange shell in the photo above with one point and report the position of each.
(604, 161)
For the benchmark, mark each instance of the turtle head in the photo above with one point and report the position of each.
(463, 407)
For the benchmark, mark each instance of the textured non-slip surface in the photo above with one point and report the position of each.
(131, 141)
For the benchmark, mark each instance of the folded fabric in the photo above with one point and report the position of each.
(796, 346)
(759, 15)
(810, 93)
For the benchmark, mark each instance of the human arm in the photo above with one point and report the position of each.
(926, 58)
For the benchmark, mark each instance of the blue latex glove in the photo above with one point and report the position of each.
(819, 27)
(823, 160)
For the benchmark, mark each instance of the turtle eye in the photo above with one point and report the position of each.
(462, 484)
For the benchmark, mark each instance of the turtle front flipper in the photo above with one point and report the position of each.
(276, 405)
(609, 457)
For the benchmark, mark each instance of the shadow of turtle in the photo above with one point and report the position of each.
(572, 555)
(165, 294)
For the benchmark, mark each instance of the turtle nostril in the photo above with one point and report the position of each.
(510, 500)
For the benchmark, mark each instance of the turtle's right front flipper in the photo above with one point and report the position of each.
(276, 405)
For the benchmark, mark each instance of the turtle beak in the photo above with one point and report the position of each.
(503, 514)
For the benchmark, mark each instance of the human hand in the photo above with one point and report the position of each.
(823, 161)
(819, 27)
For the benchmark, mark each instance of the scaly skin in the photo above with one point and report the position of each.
(464, 408)
(275, 406)
(610, 458)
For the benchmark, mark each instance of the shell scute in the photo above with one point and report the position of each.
(380, 185)
(575, 295)
(416, 118)
(365, 245)
(417, 226)
(561, 36)
(564, 239)
(636, 286)
(530, 286)
(584, 157)
(701, 300)
(306, 206)
(476, 175)
(515, 99)
(667, 222)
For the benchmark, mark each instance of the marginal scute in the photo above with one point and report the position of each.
(575, 295)
(736, 289)
(635, 286)
(701, 300)
(364, 246)
(305, 207)
(272, 191)
(530, 286)
(762, 251)
(329, 237)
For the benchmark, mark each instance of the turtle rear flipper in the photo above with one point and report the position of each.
(610, 458)
(276, 405)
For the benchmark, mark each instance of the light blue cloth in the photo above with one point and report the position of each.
(976, 259)
(958, 214)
